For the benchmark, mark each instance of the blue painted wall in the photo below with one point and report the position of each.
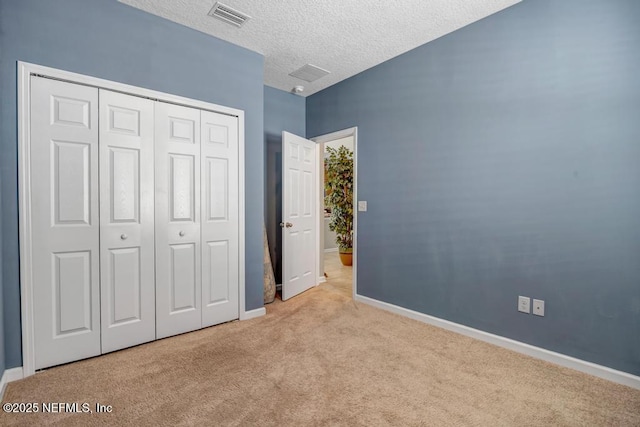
(113, 41)
(2, 320)
(502, 160)
(283, 111)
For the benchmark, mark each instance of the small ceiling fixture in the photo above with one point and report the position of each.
(228, 14)
(309, 73)
(298, 89)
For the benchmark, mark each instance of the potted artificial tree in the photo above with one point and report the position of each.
(338, 186)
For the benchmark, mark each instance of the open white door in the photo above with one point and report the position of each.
(299, 217)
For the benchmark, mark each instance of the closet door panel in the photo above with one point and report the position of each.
(178, 257)
(184, 287)
(219, 218)
(127, 257)
(64, 221)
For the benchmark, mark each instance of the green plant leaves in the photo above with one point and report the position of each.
(338, 187)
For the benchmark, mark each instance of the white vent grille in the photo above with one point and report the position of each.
(309, 73)
(228, 14)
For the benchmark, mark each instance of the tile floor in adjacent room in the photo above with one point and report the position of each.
(338, 276)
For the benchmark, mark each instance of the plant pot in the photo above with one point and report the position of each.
(346, 258)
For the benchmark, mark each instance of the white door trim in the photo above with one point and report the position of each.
(25, 71)
(320, 253)
(320, 209)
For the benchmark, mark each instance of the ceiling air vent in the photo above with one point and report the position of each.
(228, 14)
(309, 73)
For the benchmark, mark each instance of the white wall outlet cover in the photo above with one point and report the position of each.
(538, 307)
(362, 205)
(524, 304)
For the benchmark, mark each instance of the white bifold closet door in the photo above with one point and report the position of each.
(64, 221)
(134, 218)
(127, 268)
(219, 218)
(178, 277)
(196, 219)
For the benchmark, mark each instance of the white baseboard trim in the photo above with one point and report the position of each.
(590, 368)
(13, 374)
(321, 279)
(331, 250)
(252, 314)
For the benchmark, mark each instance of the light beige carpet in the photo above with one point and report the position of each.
(321, 359)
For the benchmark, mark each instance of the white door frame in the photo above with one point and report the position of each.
(25, 71)
(319, 188)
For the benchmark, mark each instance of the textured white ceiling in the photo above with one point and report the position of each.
(342, 36)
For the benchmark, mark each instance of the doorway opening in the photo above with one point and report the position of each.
(332, 270)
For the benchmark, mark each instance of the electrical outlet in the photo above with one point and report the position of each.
(538, 307)
(362, 205)
(524, 304)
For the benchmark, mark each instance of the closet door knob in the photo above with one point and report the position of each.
(123, 236)
(181, 233)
